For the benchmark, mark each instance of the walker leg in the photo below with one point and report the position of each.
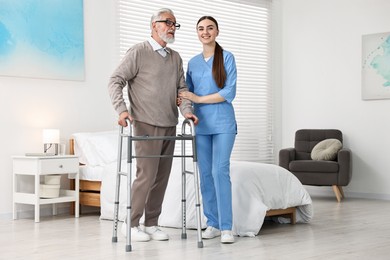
(197, 201)
(129, 169)
(183, 194)
(116, 209)
(128, 248)
(196, 179)
(117, 188)
(183, 202)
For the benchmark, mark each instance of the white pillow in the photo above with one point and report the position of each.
(326, 150)
(97, 148)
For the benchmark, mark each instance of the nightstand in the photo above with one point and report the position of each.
(38, 166)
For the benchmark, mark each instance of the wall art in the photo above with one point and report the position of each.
(42, 39)
(376, 66)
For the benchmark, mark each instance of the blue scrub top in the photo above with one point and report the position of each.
(219, 117)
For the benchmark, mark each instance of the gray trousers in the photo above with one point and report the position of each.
(148, 189)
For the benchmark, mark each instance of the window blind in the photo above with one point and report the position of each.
(245, 30)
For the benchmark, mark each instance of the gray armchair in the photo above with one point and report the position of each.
(297, 160)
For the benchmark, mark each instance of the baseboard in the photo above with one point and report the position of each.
(6, 216)
(327, 191)
(46, 211)
(29, 214)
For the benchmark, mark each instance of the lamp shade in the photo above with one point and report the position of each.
(51, 136)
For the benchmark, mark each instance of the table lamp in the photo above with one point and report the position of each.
(51, 137)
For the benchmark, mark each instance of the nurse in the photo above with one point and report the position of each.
(211, 79)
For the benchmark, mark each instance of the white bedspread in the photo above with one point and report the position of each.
(256, 188)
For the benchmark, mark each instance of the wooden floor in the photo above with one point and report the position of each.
(353, 229)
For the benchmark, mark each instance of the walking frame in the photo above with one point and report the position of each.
(130, 138)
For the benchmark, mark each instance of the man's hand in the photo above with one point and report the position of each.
(178, 101)
(122, 118)
(192, 117)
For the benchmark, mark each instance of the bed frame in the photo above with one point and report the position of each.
(89, 195)
(287, 213)
(89, 192)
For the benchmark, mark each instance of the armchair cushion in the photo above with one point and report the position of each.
(326, 150)
(314, 166)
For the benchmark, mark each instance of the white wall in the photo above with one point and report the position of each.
(321, 83)
(29, 105)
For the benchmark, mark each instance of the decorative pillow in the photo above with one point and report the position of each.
(326, 150)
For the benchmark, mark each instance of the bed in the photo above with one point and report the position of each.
(259, 190)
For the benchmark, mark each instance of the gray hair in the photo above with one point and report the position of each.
(157, 15)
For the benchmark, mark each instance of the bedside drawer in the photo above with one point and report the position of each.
(59, 165)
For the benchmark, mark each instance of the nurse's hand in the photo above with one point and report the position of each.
(208, 99)
(190, 96)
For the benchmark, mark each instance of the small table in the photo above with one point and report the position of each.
(38, 166)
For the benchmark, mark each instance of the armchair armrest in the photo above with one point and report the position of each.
(344, 159)
(286, 156)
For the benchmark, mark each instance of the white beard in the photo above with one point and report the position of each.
(165, 38)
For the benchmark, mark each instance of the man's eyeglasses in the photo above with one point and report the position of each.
(169, 23)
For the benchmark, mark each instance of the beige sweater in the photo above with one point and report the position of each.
(154, 82)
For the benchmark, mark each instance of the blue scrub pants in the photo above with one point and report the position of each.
(214, 166)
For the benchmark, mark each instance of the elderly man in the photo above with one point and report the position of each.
(154, 75)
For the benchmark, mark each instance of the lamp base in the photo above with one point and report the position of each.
(46, 148)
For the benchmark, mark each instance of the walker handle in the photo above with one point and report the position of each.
(189, 122)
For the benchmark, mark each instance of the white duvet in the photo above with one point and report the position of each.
(256, 188)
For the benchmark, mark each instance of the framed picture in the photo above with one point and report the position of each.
(42, 39)
(376, 66)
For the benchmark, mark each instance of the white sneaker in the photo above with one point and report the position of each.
(156, 234)
(137, 234)
(227, 237)
(211, 232)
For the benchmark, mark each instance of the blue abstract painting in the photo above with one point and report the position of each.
(376, 66)
(42, 39)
